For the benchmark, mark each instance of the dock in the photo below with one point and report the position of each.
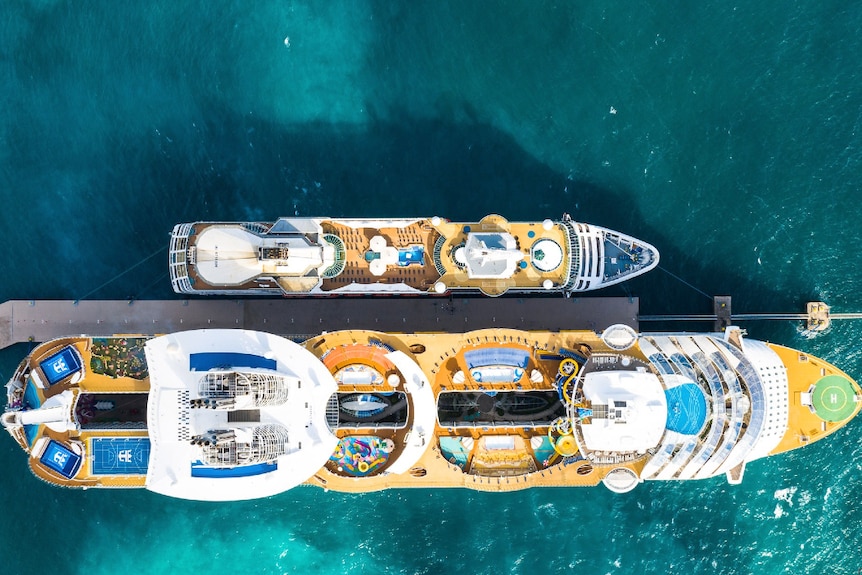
(41, 320)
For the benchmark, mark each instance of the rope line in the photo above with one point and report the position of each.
(703, 293)
(127, 270)
(151, 284)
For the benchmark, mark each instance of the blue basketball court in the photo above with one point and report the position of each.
(120, 455)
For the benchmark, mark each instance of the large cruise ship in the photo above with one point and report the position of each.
(236, 414)
(326, 256)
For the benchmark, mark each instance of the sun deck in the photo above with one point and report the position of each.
(497, 407)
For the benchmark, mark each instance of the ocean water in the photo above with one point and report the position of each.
(726, 135)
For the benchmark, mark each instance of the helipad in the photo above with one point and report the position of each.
(833, 398)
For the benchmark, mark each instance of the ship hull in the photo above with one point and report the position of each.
(236, 414)
(420, 256)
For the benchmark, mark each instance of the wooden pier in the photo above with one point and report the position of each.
(41, 320)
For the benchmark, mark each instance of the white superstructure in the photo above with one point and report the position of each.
(222, 430)
(705, 408)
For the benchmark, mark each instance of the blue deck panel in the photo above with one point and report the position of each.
(64, 362)
(61, 459)
(120, 455)
(32, 433)
(31, 396)
(206, 361)
(201, 470)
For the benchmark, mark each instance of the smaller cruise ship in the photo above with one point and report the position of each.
(326, 256)
(235, 414)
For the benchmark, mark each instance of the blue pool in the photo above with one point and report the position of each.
(411, 255)
(686, 409)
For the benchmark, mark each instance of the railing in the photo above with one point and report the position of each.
(437, 254)
(332, 411)
(265, 389)
(574, 257)
(256, 227)
(338, 266)
(499, 424)
(267, 444)
(177, 258)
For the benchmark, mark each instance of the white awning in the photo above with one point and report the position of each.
(171, 422)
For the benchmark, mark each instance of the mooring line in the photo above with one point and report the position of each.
(127, 270)
(706, 295)
(151, 284)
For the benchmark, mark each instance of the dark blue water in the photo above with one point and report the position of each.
(727, 136)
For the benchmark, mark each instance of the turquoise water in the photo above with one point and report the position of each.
(727, 136)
